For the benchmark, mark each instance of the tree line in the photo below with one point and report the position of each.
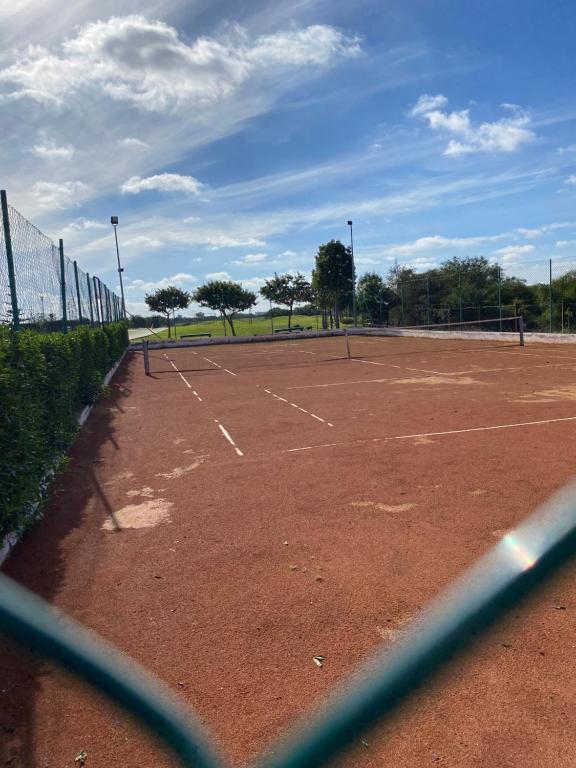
(460, 289)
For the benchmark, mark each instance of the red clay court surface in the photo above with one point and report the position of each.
(293, 503)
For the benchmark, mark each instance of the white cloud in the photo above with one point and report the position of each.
(49, 150)
(515, 250)
(565, 243)
(162, 182)
(81, 224)
(571, 179)
(218, 276)
(288, 253)
(530, 234)
(505, 135)
(142, 241)
(427, 103)
(567, 150)
(131, 143)
(180, 280)
(432, 242)
(250, 258)
(146, 63)
(65, 194)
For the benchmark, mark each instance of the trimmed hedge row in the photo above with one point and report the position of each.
(45, 381)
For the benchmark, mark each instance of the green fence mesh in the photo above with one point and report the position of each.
(38, 280)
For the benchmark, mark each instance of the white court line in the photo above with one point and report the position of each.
(294, 405)
(229, 438)
(443, 373)
(230, 372)
(178, 372)
(212, 362)
(183, 378)
(432, 434)
(402, 367)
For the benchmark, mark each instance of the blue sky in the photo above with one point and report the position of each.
(233, 138)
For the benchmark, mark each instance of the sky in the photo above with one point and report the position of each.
(233, 138)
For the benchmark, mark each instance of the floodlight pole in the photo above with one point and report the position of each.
(353, 275)
(114, 222)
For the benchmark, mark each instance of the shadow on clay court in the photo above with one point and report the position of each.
(40, 567)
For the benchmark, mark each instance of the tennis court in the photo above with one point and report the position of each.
(246, 508)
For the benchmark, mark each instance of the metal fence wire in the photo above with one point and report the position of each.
(545, 296)
(40, 287)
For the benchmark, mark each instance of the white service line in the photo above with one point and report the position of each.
(230, 372)
(183, 378)
(229, 438)
(212, 362)
(294, 405)
(401, 367)
(178, 372)
(433, 434)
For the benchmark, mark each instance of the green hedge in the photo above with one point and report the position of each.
(45, 381)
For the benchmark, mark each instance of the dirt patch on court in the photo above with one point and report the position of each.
(434, 381)
(383, 507)
(423, 440)
(145, 515)
(180, 471)
(146, 492)
(392, 629)
(549, 395)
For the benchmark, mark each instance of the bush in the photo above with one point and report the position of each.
(45, 381)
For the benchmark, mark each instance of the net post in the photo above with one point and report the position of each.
(521, 329)
(146, 358)
(10, 260)
(63, 287)
(347, 343)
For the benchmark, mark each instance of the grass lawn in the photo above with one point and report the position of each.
(243, 326)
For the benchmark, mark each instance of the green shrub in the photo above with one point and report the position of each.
(45, 381)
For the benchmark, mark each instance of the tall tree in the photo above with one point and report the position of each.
(166, 301)
(287, 290)
(332, 278)
(226, 297)
(373, 297)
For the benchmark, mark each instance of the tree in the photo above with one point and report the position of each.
(332, 278)
(226, 297)
(287, 290)
(167, 300)
(373, 297)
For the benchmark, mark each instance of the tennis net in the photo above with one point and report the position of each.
(507, 330)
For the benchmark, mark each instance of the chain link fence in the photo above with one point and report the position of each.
(40, 287)
(545, 297)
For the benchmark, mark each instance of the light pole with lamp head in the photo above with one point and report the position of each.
(353, 275)
(114, 222)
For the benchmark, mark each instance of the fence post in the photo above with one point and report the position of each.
(10, 260)
(63, 287)
(521, 328)
(459, 296)
(500, 296)
(98, 286)
(550, 295)
(427, 300)
(90, 299)
(401, 303)
(78, 293)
